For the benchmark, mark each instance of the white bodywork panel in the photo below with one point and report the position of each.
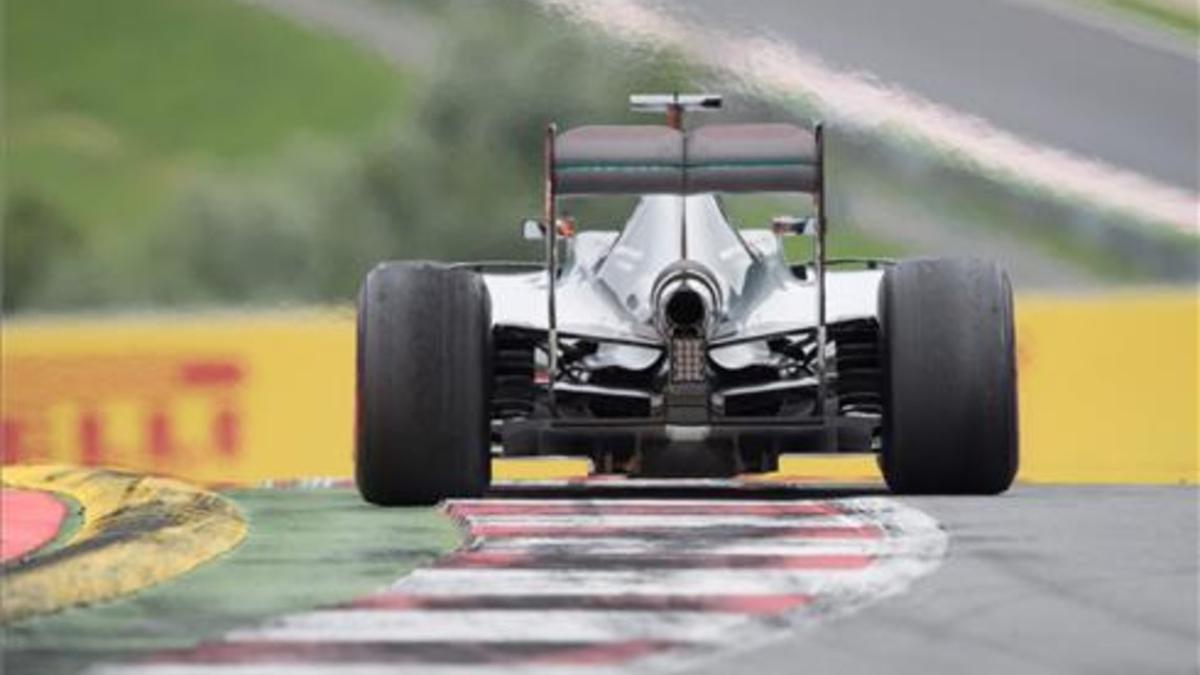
(600, 265)
(520, 300)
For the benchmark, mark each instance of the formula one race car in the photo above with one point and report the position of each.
(682, 346)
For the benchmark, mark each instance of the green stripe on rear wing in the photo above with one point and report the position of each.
(644, 159)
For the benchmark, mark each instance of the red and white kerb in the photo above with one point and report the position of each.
(597, 586)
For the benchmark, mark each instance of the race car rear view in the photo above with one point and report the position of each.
(681, 345)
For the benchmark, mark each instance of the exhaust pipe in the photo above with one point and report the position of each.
(687, 306)
(686, 311)
(686, 301)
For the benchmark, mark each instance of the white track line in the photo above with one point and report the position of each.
(495, 625)
(467, 582)
(861, 100)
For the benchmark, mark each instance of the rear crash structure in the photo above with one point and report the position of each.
(681, 345)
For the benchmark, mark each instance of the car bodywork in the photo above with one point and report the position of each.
(682, 345)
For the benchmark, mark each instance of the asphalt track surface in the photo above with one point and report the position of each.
(1051, 71)
(1040, 580)
(1043, 579)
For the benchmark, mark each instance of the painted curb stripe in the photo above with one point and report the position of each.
(583, 625)
(29, 519)
(597, 590)
(618, 582)
(738, 604)
(478, 510)
(648, 561)
(712, 532)
(137, 531)
(339, 653)
(682, 521)
(644, 545)
(378, 668)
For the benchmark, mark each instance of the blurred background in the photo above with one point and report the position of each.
(187, 156)
(168, 153)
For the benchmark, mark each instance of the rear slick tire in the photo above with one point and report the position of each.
(950, 381)
(423, 384)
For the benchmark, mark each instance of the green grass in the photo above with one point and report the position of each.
(70, 523)
(305, 549)
(844, 240)
(110, 106)
(1165, 13)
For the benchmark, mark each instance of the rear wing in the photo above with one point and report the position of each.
(647, 159)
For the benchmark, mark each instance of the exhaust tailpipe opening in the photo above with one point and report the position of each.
(686, 311)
